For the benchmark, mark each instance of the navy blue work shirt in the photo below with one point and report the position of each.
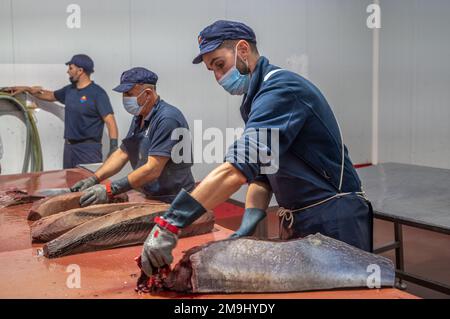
(155, 138)
(310, 147)
(84, 111)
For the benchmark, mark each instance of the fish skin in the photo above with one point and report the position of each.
(127, 227)
(248, 265)
(60, 203)
(53, 226)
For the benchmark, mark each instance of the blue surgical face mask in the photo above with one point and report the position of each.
(131, 104)
(233, 81)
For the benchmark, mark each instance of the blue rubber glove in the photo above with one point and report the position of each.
(251, 219)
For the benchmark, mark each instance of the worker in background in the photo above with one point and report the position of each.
(148, 146)
(87, 110)
(316, 186)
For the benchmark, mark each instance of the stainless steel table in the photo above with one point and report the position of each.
(411, 195)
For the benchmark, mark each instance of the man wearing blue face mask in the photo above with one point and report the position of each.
(148, 146)
(315, 183)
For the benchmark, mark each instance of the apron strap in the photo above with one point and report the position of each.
(288, 214)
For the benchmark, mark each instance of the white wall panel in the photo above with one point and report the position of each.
(6, 42)
(324, 40)
(415, 81)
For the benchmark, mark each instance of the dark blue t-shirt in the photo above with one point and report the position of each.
(155, 139)
(84, 112)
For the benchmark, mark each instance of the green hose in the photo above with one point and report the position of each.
(33, 149)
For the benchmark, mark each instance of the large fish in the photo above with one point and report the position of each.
(60, 203)
(15, 196)
(53, 226)
(249, 265)
(127, 227)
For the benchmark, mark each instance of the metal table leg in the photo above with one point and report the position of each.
(399, 255)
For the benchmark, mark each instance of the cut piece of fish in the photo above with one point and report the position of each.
(15, 196)
(53, 226)
(127, 227)
(60, 203)
(249, 265)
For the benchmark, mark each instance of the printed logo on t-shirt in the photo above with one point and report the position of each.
(83, 99)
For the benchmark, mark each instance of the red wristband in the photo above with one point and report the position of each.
(165, 224)
(108, 190)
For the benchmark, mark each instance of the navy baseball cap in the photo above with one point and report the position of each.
(213, 36)
(82, 61)
(135, 76)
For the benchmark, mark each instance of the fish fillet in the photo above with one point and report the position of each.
(15, 196)
(53, 226)
(60, 203)
(249, 265)
(127, 227)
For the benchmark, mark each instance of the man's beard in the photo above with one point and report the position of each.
(242, 66)
(72, 80)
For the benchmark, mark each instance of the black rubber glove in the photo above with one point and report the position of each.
(251, 219)
(84, 184)
(113, 145)
(184, 210)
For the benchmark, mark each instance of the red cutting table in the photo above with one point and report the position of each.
(104, 274)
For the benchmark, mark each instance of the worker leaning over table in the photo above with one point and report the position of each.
(148, 146)
(316, 184)
(87, 110)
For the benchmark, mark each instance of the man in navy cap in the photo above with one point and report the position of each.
(148, 146)
(87, 110)
(315, 183)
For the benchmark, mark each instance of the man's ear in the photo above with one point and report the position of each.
(243, 48)
(154, 95)
(149, 93)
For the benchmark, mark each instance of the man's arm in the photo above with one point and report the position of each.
(223, 182)
(219, 185)
(113, 133)
(148, 172)
(258, 196)
(111, 125)
(113, 165)
(36, 91)
(101, 194)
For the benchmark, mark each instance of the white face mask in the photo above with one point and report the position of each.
(131, 104)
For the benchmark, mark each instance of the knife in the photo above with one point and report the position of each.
(52, 192)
